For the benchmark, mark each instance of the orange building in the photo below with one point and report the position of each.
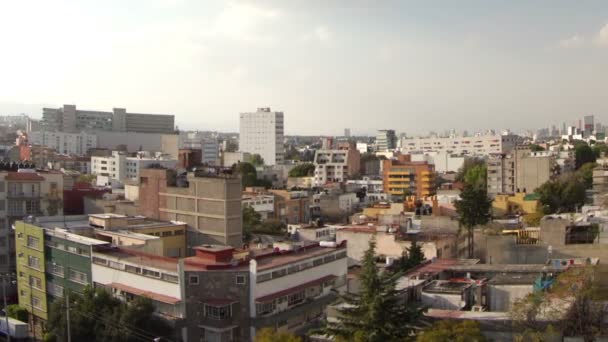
(402, 176)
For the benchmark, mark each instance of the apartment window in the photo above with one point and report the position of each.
(32, 207)
(35, 282)
(151, 273)
(55, 269)
(167, 233)
(78, 277)
(132, 269)
(100, 261)
(193, 280)
(33, 242)
(218, 312)
(178, 232)
(73, 249)
(54, 290)
(265, 308)
(295, 298)
(170, 278)
(33, 262)
(241, 280)
(36, 303)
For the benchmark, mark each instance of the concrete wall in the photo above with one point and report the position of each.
(502, 297)
(441, 300)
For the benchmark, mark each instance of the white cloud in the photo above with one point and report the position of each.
(571, 42)
(602, 37)
(242, 22)
(320, 33)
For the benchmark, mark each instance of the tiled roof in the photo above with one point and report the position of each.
(22, 176)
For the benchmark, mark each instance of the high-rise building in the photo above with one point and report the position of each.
(347, 132)
(386, 140)
(261, 132)
(475, 145)
(69, 119)
(589, 125)
(208, 201)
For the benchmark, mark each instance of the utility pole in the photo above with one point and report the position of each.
(8, 330)
(67, 314)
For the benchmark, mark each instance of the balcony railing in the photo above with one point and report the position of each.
(17, 194)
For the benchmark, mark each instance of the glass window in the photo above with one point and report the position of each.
(35, 282)
(36, 303)
(33, 262)
(218, 312)
(193, 280)
(295, 298)
(241, 279)
(54, 289)
(77, 276)
(55, 269)
(33, 242)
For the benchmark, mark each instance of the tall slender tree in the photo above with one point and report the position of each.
(376, 313)
(473, 210)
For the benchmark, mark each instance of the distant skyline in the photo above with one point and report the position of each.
(328, 65)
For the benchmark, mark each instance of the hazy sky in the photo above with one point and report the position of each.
(413, 66)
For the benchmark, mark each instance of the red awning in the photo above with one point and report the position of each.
(139, 292)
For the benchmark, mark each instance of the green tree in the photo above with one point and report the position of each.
(468, 164)
(97, 316)
(251, 222)
(583, 154)
(600, 149)
(452, 331)
(18, 312)
(477, 176)
(411, 256)
(249, 176)
(536, 148)
(566, 193)
(473, 210)
(302, 170)
(269, 335)
(376, 313)
(257, 160)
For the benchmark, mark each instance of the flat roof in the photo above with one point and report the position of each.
(58, 232)
(438, 265)
(514, 279)
(503, 268)
(140, 258)
(446, 286)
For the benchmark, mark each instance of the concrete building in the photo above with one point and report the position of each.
(386, 140)
(476, 145)
(208, 201)
(401, 176)
(600, 183)
(336, 165)
(520, 171)
(67, 143)
(371, 185)
(444, 162)
(286, 287)
(291, 207)
(25, 192)
(261, 132)
(69, 119)
(120, 167)
(231, 158)
(261, 201)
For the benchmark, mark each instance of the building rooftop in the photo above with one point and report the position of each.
(433, 267)
(446, 286)
(514, 279)
(141, 258)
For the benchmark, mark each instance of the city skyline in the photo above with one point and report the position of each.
(407, 66)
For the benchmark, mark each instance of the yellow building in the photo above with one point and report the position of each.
(519, 203)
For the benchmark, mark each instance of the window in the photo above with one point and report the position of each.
(151, 273)
(35, 282)
(32, 207)
(33, 262)
(263, 277)
(77, 276)
(33, 242)
(265, 308)
(295, 298)
(36, 303)
(218, 312)
(170, 278)
(240, 279)
(116, 265)
(73, 249)
(132, 269)
(193, 280)
(100, 261)
(178, 232)
(54, 289)
(167, 233)
(55, 269)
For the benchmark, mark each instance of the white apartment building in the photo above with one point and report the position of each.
(204, 141)
(468, 146)
(443, 161)
(336, 165)
(261, 132)
(263, 204)
(66, 143)
(120, 167)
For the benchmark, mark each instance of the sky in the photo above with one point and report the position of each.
(412, 66)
